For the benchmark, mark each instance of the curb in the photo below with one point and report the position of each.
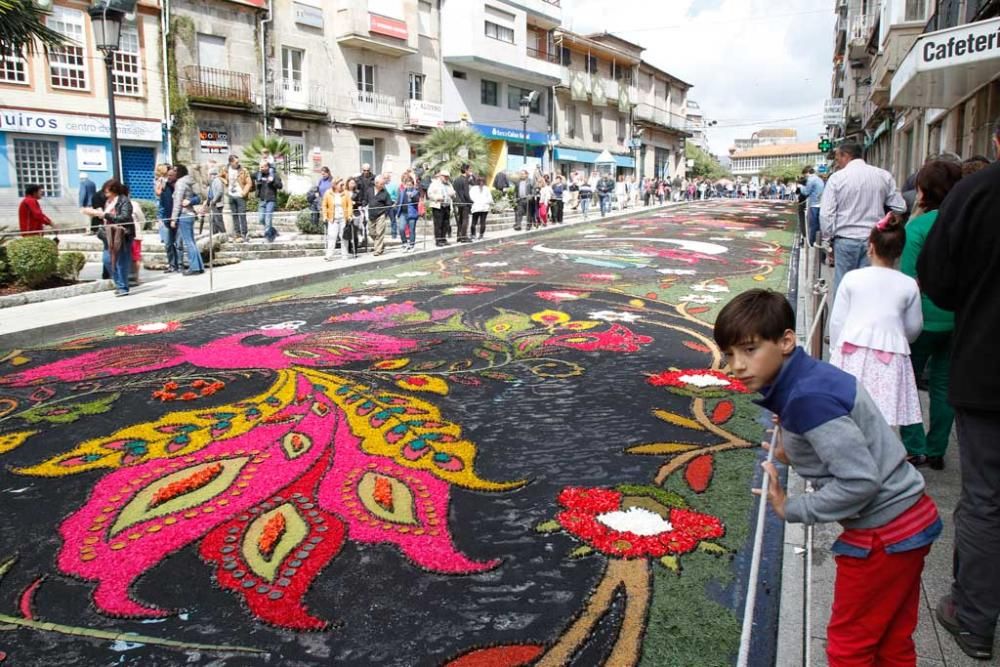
(37, 296)
(81, 326)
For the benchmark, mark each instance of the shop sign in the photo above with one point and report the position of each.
(91, 158)
(42, 122)
(381, 25)
(308, 15)
(215, 142)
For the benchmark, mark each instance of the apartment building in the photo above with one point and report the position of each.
(852, 55)
(54, 108)
(493, 54)
(594, 101)
(660, 119)
(769, 137)
(934, 80)
(354, 82)
(697, 125)
(751, 162)
(217, 76)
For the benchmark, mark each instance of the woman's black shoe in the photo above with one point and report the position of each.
(917, 460)
(936, 462)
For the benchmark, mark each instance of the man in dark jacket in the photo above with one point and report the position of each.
(463, 203)
(605, 187)
(378, 207)
(268, 182)
(958, 270)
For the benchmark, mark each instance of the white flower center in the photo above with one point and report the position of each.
(153, 326)
(704, 380)
(636, 520)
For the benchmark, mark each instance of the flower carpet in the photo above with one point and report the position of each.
(527, 453)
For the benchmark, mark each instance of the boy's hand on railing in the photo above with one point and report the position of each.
(775, 493)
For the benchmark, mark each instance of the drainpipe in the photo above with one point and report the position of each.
(165, 30)
(263, 61)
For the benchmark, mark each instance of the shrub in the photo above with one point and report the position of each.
(305, 223)
(295, 203)
(6, 275)
(33, 259)
(150, 210)
(70, 264)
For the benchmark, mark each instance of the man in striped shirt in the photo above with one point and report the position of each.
(856, 197)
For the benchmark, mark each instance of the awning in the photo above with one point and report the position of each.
(514, 135)
(591, 157)
(944, 67)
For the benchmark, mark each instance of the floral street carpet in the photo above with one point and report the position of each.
(524, 454)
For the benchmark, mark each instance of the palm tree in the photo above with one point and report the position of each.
(21, 23)
(253, 152)
(448, 147)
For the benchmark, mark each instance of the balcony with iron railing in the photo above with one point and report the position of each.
(295, 97)
(549, 56)
(376, 109)
(859, 33)
(661, 116)
(211, 86)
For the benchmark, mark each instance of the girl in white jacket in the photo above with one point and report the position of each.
(876, 315)
(482, 200)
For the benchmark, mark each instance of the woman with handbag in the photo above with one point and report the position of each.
(117, 234)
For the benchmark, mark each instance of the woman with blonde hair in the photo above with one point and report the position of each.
(338, 209)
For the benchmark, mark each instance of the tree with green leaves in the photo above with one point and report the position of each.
(22, 23)
(253, 153)
(783, 173)
(705, 165)
(449, 147)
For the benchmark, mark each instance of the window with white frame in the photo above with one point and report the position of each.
(67, 64)
(291, 69)
(127, 63)
(365, 78)
(597, 120)
(499, 32)
(499, 24)
(916, 10)
(621, 128)
(416, 86)
(13, 68)
(424, 16)
(489, 93)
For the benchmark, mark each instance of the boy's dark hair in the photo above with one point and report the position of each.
(756, 313)
(889, 238)
(32, 189)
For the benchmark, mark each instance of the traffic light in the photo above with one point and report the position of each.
(825, 145)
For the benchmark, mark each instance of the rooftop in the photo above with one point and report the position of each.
(802, 148)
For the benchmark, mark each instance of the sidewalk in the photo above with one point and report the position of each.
(162, 295)
(935, 647)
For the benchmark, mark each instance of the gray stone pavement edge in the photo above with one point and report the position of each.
(168, 295)
(935, 647)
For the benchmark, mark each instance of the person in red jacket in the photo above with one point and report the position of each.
(29, 214)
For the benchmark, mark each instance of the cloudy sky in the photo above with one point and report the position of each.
(753, 63)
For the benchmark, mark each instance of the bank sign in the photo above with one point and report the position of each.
(68, 125)
(509, 134)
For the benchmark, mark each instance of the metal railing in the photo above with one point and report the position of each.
(212, 83)
(293, 94)
(660, 116)
(378, 107)
(543, 54)
(861, 28)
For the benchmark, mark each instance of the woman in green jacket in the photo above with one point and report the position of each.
(932, 349)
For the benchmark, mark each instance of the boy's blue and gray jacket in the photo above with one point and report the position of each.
(836, 437)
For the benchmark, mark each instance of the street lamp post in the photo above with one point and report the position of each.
(525, 112)
(107, 24)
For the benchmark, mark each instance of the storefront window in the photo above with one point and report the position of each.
(37, 162)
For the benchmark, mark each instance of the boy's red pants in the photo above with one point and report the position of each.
(875, 605)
